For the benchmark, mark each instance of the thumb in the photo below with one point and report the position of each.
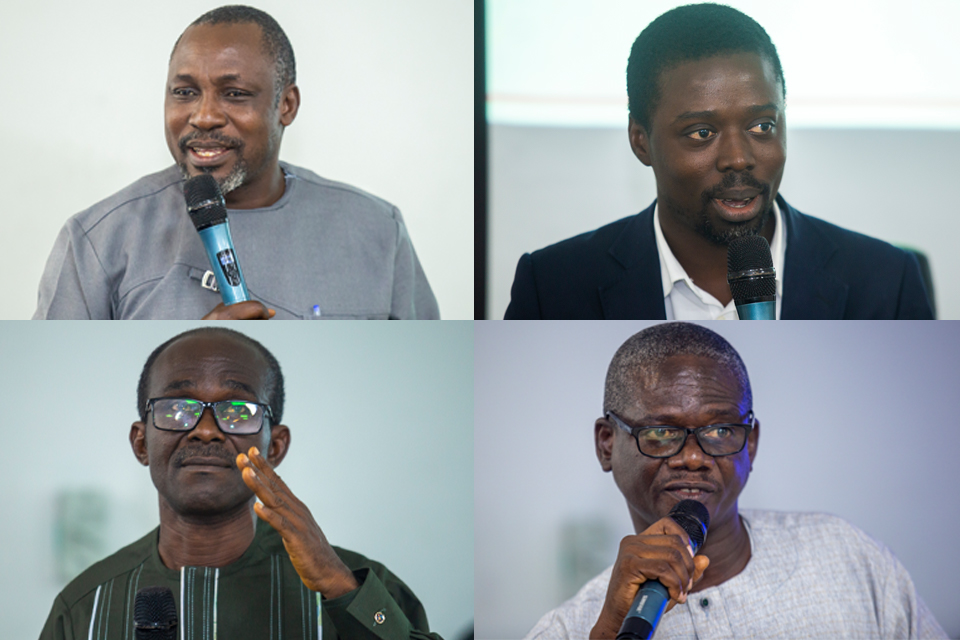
(700, 564)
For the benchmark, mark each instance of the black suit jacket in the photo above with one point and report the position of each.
(614, 273)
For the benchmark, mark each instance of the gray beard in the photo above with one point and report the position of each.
(234, 179)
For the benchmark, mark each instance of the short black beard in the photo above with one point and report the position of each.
(723, 237)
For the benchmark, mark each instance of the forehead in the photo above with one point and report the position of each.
(217, 49)
(717, 83)
(689, 385)
(209, 360)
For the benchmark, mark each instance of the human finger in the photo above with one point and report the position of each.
(246, 310)
(272, 477)
(661, 558)
(255, 482)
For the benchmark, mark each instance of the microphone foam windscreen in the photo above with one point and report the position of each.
(204, 201)
(693, 518)
(155, 614)
(750, 252)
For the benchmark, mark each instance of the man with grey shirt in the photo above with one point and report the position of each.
(679, 424)
(309, 247)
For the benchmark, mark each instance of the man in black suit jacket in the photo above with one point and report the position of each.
(707, 99)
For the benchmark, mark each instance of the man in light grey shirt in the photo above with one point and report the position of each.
(308, 247)
(679, 425)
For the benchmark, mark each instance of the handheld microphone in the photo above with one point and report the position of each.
(752, 278)
(155, 614)
(652, 598)
(208, 211)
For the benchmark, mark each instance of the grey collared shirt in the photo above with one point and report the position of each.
(810, 575)
(324, 249)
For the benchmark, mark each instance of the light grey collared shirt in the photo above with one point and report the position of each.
(324, 249)
(810, 575)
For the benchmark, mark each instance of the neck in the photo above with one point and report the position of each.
(728, 548)
(703, 260)
(264, 191)
(190, 541)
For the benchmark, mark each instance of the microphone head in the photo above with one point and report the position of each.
(155, 614)
(693, 518)
(205, 203)
(750, 271)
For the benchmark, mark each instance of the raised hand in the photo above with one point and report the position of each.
(314, 559)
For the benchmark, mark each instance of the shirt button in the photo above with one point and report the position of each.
(379, 617)
(704, 603)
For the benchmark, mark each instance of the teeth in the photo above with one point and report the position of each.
(207, 153)
(737, 203)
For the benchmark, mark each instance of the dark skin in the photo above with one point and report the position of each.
(718, 132)
(690, 391)
(220, 102)
(208, 481)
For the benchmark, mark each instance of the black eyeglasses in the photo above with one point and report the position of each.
(665, 442)
(240, 417)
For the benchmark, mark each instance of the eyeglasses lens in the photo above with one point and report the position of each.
(239, 417)
(178, 415)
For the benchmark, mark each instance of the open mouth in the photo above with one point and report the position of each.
(206, 156)
(738, 210)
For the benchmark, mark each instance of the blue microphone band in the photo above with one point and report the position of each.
(223, 260)
(766, 310)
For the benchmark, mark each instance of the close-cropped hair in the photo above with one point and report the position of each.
(639, 359)
(274, 378)
(275, 41)
(690, 32)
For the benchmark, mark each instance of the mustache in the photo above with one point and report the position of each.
(733, 181)
(202, 451)
(213, 136)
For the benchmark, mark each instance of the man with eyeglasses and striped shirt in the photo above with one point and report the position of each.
(210, 431)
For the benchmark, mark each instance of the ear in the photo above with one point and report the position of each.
(279, 444)
(639, 142)
(289, 105)
(138, 442)
(752, 441)
(603, 434)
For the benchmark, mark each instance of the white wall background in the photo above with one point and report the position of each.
(381, 451)
(385, 88)
(857, 419)
(873, 122)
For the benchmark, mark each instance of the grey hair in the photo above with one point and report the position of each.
(642, 354)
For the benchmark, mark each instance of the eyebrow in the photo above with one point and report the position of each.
(178, 385)
(667, 418)
(691, 115)
(228, 77)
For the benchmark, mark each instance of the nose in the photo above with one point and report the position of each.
(691, 456)
(207, 113)
(206, 429)
(735, 152)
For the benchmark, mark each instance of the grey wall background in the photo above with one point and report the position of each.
(381, 452)
(857, 419)
(384, 89)
(547, 184)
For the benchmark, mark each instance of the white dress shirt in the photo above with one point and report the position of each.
(684, 300)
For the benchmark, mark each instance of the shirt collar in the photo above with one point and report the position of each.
(671, 271)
